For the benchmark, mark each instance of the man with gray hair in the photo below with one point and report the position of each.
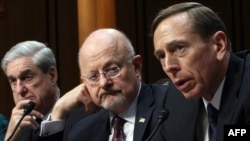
(192, 44)
(30, 67)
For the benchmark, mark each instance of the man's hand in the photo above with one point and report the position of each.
(27, 122)
(71, 100)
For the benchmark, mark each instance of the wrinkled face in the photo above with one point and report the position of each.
(114, 94)
(28, 82)
(191, 63)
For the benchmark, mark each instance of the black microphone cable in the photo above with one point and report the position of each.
(163, 116)
(27, 109)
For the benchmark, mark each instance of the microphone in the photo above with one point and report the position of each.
(163, 116)
(27, 109)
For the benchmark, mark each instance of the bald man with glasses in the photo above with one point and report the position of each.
(111, 81)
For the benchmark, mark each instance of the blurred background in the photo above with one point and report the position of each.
(64, 24)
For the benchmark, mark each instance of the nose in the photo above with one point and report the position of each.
(170, 65)
(104, 81)
(21, 89)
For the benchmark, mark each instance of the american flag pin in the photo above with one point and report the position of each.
(142, 120)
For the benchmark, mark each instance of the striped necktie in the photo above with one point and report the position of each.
(118, 129)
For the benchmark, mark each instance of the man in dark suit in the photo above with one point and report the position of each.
(30, 67)
(111, 79)
(97, 127)
(192, 44)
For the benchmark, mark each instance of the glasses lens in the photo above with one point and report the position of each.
(110, 72)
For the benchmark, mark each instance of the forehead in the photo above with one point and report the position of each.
(173, 25)
(19, 65)
(172, 29)
(99, 55)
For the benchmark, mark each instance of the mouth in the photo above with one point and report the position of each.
(30, 98)
(110, 93)
(183, 85)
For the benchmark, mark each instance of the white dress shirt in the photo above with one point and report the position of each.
(51, 127)
(129, 116)
(216, 103)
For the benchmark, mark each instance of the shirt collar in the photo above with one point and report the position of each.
(216, 98)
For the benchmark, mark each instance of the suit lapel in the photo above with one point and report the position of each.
(103, 131)
(141, 122)
(143, 113)
(230, 93)
(183, 117)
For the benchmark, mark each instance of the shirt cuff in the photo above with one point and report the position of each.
(51, 127)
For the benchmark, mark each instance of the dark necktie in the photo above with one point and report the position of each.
(38, 120)
(36, 131)
(118, 129)
(212, 120)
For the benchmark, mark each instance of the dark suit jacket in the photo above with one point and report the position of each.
(234, 108)
(73, 117)
(97, 127)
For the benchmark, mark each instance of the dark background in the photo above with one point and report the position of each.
(55, 22)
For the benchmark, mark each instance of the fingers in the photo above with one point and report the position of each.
(18, 111)
(90, 106)
(71, 100)
(30, 122)
(27, 122)
(67, 103)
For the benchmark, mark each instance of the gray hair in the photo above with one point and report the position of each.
(204, 21)
(42, 56)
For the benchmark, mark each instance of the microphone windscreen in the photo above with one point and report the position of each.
(164, 114)
(29, 107)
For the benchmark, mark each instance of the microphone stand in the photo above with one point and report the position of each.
(163, 116)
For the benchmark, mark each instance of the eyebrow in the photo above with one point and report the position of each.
(170, 45)
(22, 73)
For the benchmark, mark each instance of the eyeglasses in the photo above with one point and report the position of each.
(109, 73)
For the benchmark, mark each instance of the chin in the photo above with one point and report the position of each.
(112, 103)
(190, 96)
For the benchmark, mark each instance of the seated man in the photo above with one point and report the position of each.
(192, 44)
(30, 67)
(111, 76)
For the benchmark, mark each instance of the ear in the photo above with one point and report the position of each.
(220, 44)
(53, 75)
(137, 62)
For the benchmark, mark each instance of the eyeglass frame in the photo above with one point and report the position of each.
(104, 72)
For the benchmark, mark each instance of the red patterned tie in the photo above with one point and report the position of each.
(118, 129)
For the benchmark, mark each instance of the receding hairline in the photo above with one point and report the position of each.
(104, 33)
(107, 35)
(172, 10)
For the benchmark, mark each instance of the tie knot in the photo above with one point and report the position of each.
(118, 122)
(118, 129)
(212, 113)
